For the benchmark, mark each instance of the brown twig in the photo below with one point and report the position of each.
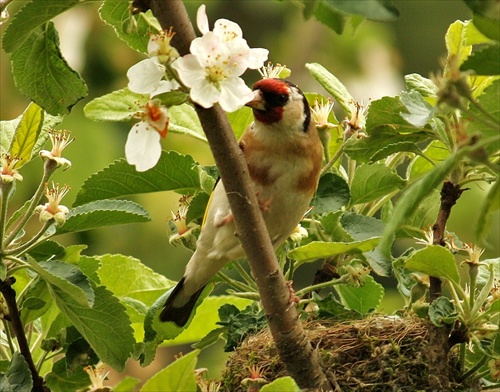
(293, 345)
(439, 342)
(14, 317)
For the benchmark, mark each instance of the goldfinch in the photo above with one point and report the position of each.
(284, 156)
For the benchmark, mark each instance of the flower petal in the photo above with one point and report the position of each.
(227, 30)
(256, 58)
(234, 94)
(145, 76)
(205, 94)
(202, 19)
(143, 148)
(189, 69)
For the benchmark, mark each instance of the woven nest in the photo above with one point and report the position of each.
(375, 354)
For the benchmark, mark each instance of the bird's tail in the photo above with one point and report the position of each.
(179, 314)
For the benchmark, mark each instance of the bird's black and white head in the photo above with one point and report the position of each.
(277, 102)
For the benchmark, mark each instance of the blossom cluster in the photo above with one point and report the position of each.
(210, 73)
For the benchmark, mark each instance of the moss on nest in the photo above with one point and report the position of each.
(380, 353)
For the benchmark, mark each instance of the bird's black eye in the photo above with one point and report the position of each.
(276, 100)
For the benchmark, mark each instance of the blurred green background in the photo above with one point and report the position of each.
(371, 62)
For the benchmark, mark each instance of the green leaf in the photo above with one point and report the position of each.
(363, 299)
(134, 280)
(361, 227)
(103, 213)
(419, 111)
(8, 130)
(381, 11)
(240, 120)
(67, 279)
(489, 101)
(120, 105)
(442, 311)
(178, 376)
(485, 61)
(332, 194)
(387, 112)
(320, 250)
(34, 14)
(330, 308)
(172, 98)
(281, 384)
(174, 172)
(382, 142)
(329, 16)
(419, 166)
(17, 378)
(424, 86)
(41, 73)
(487, 26)
(436, 261)
(197, 206)
(60, 380)
(413, 196)
(27, 132)
(333, 86)
(422, 217)
(105, 326)
(484, 275)
(490, 205)
(240, 323)
(371, 182)
(127, 384)
(132, 29)
(460, 37)
(184, 120)
(37, 292)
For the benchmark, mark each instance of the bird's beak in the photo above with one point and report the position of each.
(257, 101)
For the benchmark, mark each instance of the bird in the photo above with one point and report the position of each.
(284, 156)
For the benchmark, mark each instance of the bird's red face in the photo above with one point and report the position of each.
(271, 95)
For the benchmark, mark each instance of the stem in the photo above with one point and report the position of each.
(474, 368)
(244, 274)
(17, 325)
(295, 350)
(9, 337)
(5, 189)
(334, 159)
(49, 168)
(319, 286)
(234, 283)
(439, 344)
(32, 242)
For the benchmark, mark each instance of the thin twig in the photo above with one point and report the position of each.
(10, 298)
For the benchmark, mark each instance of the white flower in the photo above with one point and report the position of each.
(53, 209)
(143, 148)
(60, 140)
(271, 71)
(159, 46)
(147, 76)
(298, 234)
(321, 111)
(212, 71)
(7, 172)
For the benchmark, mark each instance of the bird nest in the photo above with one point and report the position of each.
(374, 354)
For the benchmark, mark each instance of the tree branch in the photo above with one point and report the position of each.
(14, 317)
(439, 342)
(295, 350)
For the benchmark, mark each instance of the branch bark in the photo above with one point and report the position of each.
(14, 317)
(439, 337)
(301, 360)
